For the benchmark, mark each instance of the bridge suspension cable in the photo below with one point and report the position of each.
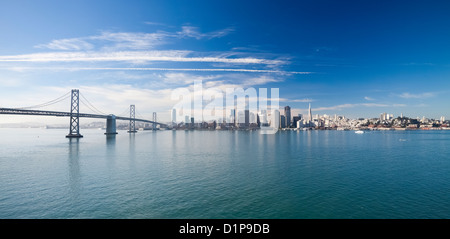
(89, 105)
(125, 113)
(139, 115)
(52, 102)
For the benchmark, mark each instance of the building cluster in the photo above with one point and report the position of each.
(239, 120)
(384, 122)
(247, 120)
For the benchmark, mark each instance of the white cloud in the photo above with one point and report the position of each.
(9, 82)
(259, 80)
(128, 56)
(76, 68)
(76, 44)
(193, 32)
(425, 95)
(154, 23)
(131, 40)
(369, 98)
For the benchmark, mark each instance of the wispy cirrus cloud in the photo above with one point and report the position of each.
(76, 44)
(109, 41)
(128, 49)
(425, 95)
(130, 56)
(77, 68)
(369, 98)
(130, 40)
(190, 31)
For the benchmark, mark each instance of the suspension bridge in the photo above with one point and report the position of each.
(75, 115)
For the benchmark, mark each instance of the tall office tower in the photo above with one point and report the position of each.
(287, 114)
(233, 116)
(258, 121)
(247, 118)
(295, 119)
(275, 119)
(263, 116)
(240, 119)
(174, 116)
(310, 114)
(282, 121)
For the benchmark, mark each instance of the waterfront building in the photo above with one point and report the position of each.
(247, 118)
(186, 120)
(233, 116)
(287, 114)
(300, 124)
(263, 117)
(275, 120)
(174, 116)
(295, 120)
(309, 113)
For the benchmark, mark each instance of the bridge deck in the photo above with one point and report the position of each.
(12, 111)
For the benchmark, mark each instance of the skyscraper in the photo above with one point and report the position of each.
(309, 113)
(233, 116)
(287, 114)
(275, 119)
(247, 118)
(174, 116)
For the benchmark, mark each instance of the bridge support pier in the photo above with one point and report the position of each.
(111, 125)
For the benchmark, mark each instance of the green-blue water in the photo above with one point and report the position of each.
(221, 174)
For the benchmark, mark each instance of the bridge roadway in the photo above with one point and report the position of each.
(12, 111)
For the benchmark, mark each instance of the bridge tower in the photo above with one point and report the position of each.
(74, 130)
(154, 120)
(132, 121)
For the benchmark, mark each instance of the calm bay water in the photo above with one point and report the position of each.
(221, 174)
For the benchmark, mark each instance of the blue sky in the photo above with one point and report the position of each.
(352, 58)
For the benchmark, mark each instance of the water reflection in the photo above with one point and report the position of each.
(132, 149)
(110, 150)
(110, 141)
(74, 167)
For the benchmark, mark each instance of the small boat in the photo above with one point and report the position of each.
(359, 132)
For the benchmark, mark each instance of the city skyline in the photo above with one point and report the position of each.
(288, 120)
(355, 59)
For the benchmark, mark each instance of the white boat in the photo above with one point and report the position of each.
(359, 132)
